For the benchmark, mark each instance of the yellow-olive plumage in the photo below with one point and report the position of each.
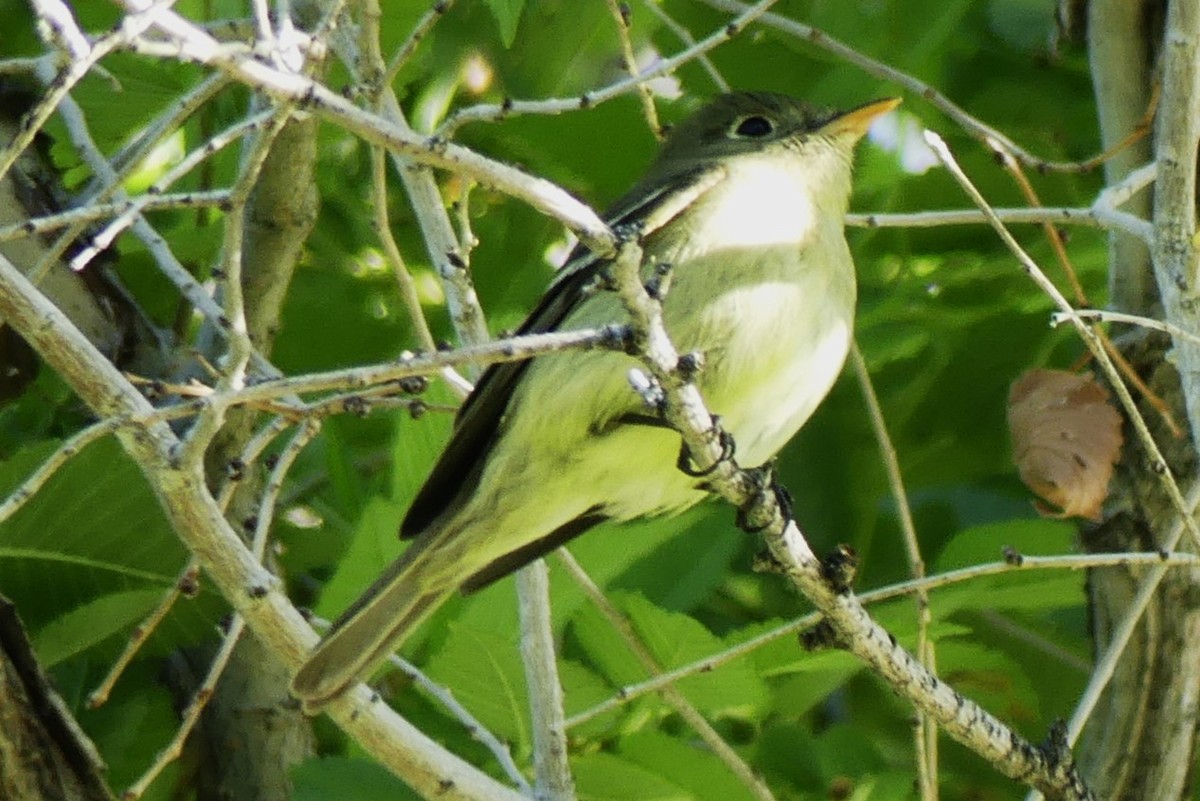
(746, 203)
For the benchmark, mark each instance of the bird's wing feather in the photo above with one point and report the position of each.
(478, 421)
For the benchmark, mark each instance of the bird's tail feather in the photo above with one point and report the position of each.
(370, 630)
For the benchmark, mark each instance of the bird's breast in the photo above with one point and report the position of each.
(764, 202)
(774, 337)
(767, 293)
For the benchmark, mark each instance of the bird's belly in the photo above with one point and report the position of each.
(776, 366)
(772, 351)
(773, 341)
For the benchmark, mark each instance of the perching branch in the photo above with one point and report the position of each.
(1047, 767)
(198, 521)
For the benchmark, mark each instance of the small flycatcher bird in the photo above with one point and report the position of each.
(746, 204)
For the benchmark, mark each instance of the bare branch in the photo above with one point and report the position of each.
(1089, 337)
(1017, 562)
(198, 520)
(554, 779)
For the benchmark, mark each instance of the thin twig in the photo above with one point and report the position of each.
(46, 470)
(77, 59)
(404, 279)
(250, 588)
(191, 715)
(1094, 217)
(621, 15)
(134, 207)
(886, 72)
(1013, 167)
(669, 692)
(504, 350)
(1105, 316)
(445, 251)
(192, 42)
(1087, 334)
(232, 322)
(1106, 665)
(710, 663)
(925, 731)
(474, 727)
(270, 494)
(184, 583)
(747, 15)
(415, 37)
(90, 213)
(686, 37)
(550, 762)
(848, 622)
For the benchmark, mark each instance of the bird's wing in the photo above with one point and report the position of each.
(478, 421)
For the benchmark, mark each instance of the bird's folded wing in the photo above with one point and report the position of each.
(478, 420)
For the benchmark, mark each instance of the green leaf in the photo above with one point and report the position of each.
(841, 752)
(418, 445)
(605, 777)
(372, 547)
(1033, 537)
(697, 770)
(91, 623)
(94, 530)
(132, 726)
(696, 549)
(673, 639)
(485, 672)
(583, 689)
(333, 777)
(993, 679)
(508, 17)
(1031, 589)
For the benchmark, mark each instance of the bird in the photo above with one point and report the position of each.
(745, 206)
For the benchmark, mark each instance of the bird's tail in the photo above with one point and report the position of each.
(370, 630)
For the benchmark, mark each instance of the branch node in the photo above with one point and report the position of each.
(820, 637)
(660, 282)
(648, 388)
(356, 405)
(235, 469)
(766, 562)
(728, 447)
(413, 384)
(839, 568)
(689, 366)
(758, 513)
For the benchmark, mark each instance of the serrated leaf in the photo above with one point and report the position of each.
(674, 639)
(583, 689)
(484, 671)
(696, 770)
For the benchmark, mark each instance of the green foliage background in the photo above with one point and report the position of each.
(946, 322)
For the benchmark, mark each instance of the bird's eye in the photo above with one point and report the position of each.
(754, 127)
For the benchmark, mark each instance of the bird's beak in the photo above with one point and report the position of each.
(856, 122)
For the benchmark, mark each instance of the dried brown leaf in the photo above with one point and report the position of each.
(1066, 438)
